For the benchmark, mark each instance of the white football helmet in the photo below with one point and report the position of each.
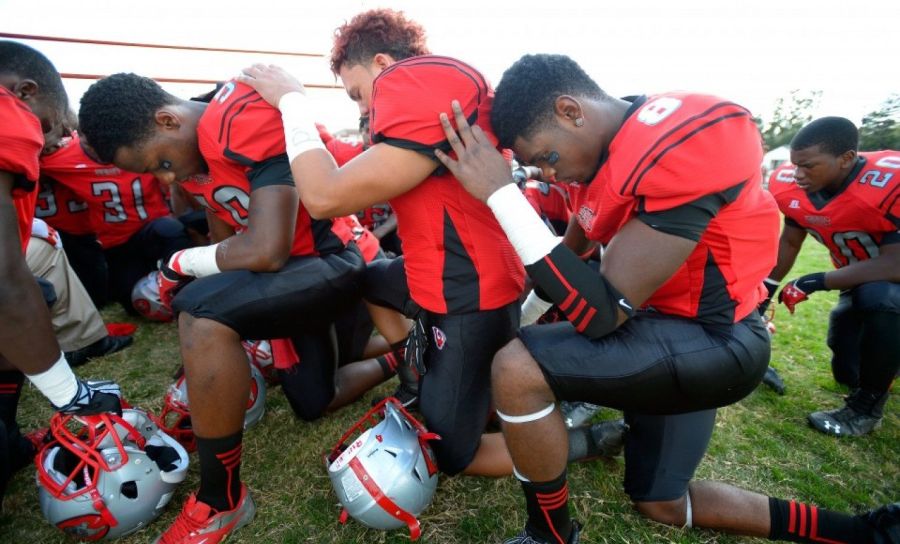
(259, 352)
(106, 476)
(145, 299)
(387, 475)
(175, 418)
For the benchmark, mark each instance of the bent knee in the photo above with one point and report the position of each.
(667, 512)
(514, 366)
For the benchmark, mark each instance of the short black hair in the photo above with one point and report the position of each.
(833, 135)
(525, 97)
(118, 111)
(26, 62)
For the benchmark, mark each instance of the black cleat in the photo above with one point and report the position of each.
(106, 345)
(773, 380)
(860, 415)
(885, 523)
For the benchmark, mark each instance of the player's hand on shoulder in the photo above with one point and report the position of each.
(479, 167)
(270, 81)
(94, 397)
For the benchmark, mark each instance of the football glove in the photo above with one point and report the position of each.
(771, 286)
(799, 290)
(94, 397)
(170, 280)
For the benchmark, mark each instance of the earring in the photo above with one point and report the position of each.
(579, 122)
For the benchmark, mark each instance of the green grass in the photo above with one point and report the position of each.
(762, 443)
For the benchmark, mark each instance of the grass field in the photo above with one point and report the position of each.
(762, 443)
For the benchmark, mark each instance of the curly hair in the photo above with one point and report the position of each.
(834, 135)
(377, 31)
(525, 97)
(118, 111)
(25, 62)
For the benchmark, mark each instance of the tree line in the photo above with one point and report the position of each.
(880, 129)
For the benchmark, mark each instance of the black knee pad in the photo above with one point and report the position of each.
(308, 403)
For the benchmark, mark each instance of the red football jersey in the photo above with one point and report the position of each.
(21, 141)
(120, 202)
(238, 134)
(458, 259)
(674, 149)
(551, 202)
(855, 221)
(62, 209)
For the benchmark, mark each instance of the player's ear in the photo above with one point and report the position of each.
(167, 118)
(382, 61)
(26, 89)
(568, 109)
(847, 158)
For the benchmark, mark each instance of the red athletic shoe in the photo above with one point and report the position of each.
(197, 524)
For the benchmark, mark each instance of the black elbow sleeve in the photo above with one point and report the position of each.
(586, 298)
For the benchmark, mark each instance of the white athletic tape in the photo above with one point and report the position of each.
(527, 233)
(519, 475)
(57, 383)
(300, 132)
(689, 515)
(527, 418)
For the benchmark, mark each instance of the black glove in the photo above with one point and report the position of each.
(94, 397)
(771, 286)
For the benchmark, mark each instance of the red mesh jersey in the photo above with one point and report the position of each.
(457, 257)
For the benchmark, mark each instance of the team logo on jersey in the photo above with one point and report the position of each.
(818, 220)
(224, 92)
(440, 339)
(657, 110)
(585, 217)
(794, 204)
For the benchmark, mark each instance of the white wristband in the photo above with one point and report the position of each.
(770, 281)
(528, 234)
(300, 132)
(533, 308)
(199, 261)
(58, 383)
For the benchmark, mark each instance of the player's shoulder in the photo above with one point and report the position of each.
(240, 126)
(236, 104)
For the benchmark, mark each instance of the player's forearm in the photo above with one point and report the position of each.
(257, 254)
(31, 346)
(885, 267)
(389, 226)
(321, 189)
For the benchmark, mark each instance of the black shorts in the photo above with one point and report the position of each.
(455, 392)
(128, 262)
(668, 374)
(653, 363)
(385, 285)
(307, 292)
(846, 322)
(86, 257)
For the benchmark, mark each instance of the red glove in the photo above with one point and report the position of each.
(169, 281)
(799, 290)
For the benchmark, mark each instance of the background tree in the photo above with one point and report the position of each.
(880, 129)
(790, 114)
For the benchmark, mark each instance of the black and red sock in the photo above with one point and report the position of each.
(391, 360)
(794, 521)
(220, 471)
(548, 509)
